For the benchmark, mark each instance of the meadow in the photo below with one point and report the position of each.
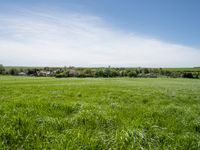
(99, 113)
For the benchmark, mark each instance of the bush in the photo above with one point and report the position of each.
(32, 71)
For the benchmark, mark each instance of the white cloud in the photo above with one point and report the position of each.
(83, 40)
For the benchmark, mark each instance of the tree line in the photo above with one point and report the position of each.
(107, 72)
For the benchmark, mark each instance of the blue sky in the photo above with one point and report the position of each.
(142, 32)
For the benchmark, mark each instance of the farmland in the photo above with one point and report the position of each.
(99, 113)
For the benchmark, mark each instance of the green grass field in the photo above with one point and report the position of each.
(96, 113)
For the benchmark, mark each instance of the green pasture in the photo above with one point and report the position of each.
(99, 113)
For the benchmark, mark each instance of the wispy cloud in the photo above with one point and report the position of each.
(48, 39)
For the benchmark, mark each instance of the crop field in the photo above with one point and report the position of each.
(99, 113)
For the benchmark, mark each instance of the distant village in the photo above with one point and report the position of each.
(105, 72)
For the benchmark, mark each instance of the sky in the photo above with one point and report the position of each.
(100, 33)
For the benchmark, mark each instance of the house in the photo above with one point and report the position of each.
(73, 73)
(22, 74)
(43, 73)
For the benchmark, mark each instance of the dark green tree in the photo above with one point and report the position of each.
(2, 69)
(13, 71)
(132, 74)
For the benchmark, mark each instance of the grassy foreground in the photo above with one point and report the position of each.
(115, 113)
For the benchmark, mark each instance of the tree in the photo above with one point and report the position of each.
(114, 73)
(2, 69)
(46, 68)
(13, 71)
(99, 73)
(21, 70)
(132, 74)
(32, 71)
(146, 71)
(87, 73)
(187, 75)
(107, 72)
(195, 75)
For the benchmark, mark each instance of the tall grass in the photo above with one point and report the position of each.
(120, 113)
